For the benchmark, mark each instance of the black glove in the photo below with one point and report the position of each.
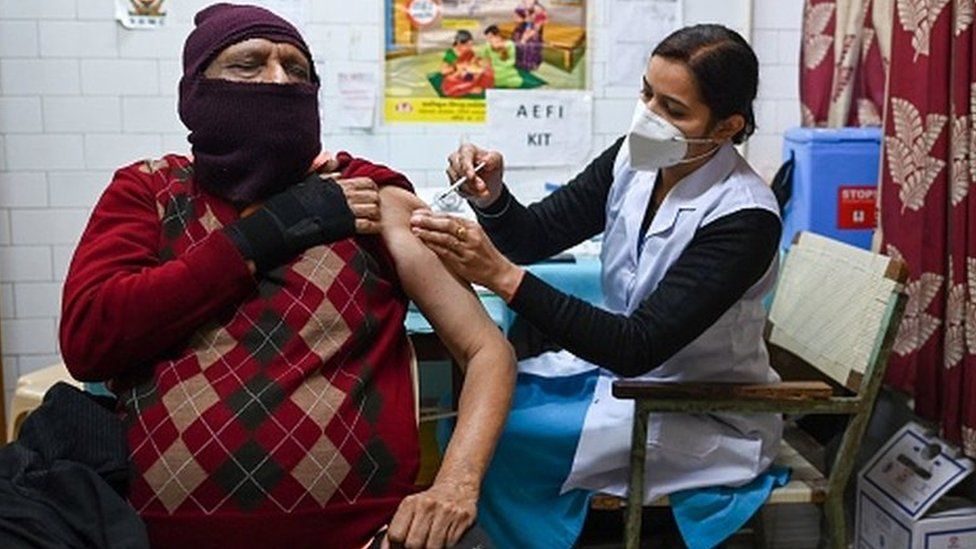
(304, 215)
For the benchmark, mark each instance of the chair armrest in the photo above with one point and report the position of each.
(787, 390)
(785, 397)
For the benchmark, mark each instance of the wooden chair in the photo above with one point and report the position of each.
(830, 330)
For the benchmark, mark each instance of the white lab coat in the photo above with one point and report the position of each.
(684, 450)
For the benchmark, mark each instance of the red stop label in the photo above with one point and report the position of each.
(857, 207)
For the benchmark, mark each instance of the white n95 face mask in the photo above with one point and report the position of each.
(656, 143)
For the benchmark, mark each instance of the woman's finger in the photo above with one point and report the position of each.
(443, 240)
(447, 255)
(435, 222)
(467, 154)
(452, 175)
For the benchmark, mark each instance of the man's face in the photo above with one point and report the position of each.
(261, 60)
(495, 40)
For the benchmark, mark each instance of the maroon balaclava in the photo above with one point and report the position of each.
(250, 140)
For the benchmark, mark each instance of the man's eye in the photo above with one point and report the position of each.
(300, 71)
(244, 66)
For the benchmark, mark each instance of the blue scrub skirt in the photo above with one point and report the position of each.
(520, 504)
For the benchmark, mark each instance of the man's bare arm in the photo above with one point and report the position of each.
(479, 346)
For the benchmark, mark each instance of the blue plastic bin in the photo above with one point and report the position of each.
(834, 184)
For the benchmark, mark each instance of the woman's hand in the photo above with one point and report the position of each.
(363, 196)
(435, 518)
(481, 188)
(465, 248)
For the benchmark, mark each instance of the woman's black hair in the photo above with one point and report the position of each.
(462, 37)
(725, 69)
(493, 30)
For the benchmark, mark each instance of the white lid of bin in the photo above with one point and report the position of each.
(833, 135)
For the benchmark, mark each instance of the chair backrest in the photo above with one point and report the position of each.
(834, 307)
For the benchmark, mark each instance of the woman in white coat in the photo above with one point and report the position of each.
(690, 234)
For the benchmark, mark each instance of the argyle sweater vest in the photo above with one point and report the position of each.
(285, 417)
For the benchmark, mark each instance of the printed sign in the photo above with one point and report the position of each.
(857, 207)
(540, 128)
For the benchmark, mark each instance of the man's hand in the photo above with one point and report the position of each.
(433, 519)
(363, 197)
(312, 212)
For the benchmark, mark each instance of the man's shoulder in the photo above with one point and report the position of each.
(350, 166)
(150, 179)
(158, 171)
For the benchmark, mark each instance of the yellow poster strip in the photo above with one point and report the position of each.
(460, 24)
(400, 109)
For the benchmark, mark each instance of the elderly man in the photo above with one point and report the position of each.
(248, 312)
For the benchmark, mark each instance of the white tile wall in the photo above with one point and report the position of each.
(38, 299)
(77, 189)
(776, 39)
(18, 39)
(4, 227)
(23, 189)
(82, 114)
(20, 114)
(7, 309)
(151, 115)
(80, 97)
(50, 151)
(61, 259)
(110, 151)
(78, 39)
(23, 336)
(48, 9)
(119, 77)
(25, 263)
(165, 43)
(39, 76)
(47, 226)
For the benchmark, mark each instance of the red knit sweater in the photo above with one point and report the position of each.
(262, 411)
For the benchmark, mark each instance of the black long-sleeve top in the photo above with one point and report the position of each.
(724, 259)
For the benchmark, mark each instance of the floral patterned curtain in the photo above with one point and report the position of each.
(844, 62)
(928, 210)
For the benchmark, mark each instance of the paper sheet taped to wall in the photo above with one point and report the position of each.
(636, 27)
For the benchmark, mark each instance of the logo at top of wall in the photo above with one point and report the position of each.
(141, 14)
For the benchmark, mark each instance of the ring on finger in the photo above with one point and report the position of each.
(460, 232)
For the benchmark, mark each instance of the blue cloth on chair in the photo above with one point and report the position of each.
(707, 516)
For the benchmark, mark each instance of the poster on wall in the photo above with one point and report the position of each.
(442, 56)
(141, 14)
(636, 27)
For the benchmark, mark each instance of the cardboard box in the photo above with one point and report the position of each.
(901, 495)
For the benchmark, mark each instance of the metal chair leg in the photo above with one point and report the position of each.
(836, 527)
(635, 494)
